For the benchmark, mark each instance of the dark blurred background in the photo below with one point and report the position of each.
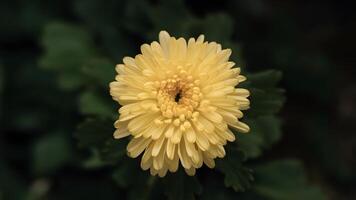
(311, 42)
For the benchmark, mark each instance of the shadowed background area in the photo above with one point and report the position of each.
(50, 81)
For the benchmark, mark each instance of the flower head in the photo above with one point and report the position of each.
(178, 102)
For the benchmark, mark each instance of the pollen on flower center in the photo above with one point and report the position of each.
(177, 97)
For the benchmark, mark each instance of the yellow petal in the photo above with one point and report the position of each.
(145, 165)
(240, 126)
(170, 149)
(135, 152)
(158, 132)
(136, 143)
(164, 39)
(208, 161)
(213, 116)
(183, 156)
(157, 146)
(158, 161)
(162, 172)
(202, 141)
(148, 154)
(190, 171)
(176, 136)
(190, 134)
(121, 132)
(169, 131)
(173, 164)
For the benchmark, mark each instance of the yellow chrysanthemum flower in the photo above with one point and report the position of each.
(178, 99)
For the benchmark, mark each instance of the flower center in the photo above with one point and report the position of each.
(178, 96)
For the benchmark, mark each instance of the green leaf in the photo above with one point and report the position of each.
(94, 132)
(212, 25)
(139, 184)
(93, 103)
(70, 81)
(237, 176)
(137, 12)
(110, 27)
(270, 126)
(265, 97)
(284, 179)
(100, 70)
(264, 131)
(51, 153)
(87, 11)
(94, 161)
(128, 172)
(97, 134)
(67, 47)
(179, 186)
(265, 101)
(113, 150)
(162, 18)
(251, 143)
(265, 79)
(214, 188)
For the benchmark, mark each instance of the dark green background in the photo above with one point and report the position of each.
(50, 82)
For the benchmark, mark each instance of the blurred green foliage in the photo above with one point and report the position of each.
(57, 59)
(283, 179)
(50, 153)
